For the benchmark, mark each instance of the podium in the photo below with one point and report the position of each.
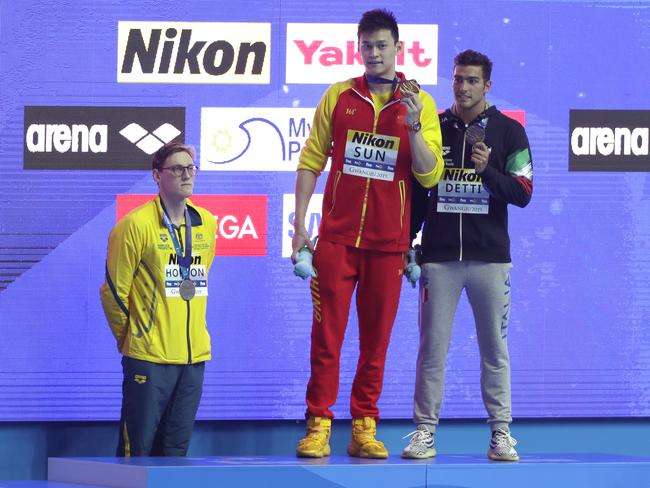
(443, 471)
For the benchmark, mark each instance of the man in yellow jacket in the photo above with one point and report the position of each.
(155, 299)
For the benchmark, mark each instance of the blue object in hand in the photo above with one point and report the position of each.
(412, 270)
(303, 267)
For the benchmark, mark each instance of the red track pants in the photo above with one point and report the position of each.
(378, 277)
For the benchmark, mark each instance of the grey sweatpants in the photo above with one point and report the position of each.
(488, 290)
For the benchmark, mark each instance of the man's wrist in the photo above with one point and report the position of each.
(414, 126)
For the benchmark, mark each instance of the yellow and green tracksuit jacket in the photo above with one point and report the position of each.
(367, 197)
(149, 320)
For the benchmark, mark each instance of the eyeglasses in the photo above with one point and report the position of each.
(179, 170)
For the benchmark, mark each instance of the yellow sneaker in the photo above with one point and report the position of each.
(316, 443)
(363, 443)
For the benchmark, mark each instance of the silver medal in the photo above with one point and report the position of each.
(187, 290)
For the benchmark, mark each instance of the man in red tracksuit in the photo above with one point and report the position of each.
(380, 133)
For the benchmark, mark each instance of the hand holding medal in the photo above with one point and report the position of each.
(474, 136)
(409, 90)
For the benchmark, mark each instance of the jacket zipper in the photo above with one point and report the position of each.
(460, 215)
(402, 201)
(364, 208)
(187, 303)
(189, 344)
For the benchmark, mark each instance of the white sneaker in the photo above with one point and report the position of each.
(502, 446)
(421, 445)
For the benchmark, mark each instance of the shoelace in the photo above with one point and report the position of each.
(315, 434)
(502, 438)
(419, 436)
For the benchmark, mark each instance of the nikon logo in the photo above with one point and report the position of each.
(194, 52)
(609, 140)
(368, 139)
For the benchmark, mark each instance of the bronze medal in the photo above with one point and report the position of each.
(474, 134)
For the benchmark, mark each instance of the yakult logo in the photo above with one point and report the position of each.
(193, 52)
(609, 140)
(326, 53)
(241, 220)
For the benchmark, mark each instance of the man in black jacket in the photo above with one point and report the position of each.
(465, 245)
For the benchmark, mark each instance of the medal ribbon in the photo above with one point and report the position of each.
(184, 262)
(380, 80)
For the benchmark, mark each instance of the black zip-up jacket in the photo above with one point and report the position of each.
(466, 216)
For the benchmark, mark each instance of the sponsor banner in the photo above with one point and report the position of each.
(321, 53)
(241, 220)
(194, 52)
(98, 137)
(312, 219)
(253, 139)
(609, 140)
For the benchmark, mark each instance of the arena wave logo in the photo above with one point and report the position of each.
(253, 139)
(149, 142)
(609, 140)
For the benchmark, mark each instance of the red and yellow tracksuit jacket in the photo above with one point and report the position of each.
(368, 192)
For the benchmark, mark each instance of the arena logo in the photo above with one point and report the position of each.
(326, 53)
(312, 219)
(253, 139)
(194, 52)
(609, 140)
(62, 138)
(98, 137)
(150, 142)
(605, 141)
(241, 220)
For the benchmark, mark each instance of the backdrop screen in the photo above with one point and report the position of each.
(90, 89)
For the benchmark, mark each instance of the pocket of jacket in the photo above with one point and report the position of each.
(336, 185)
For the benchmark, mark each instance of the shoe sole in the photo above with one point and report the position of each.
(326, 452)
(494, 457)
(365, 455)
(419, 456)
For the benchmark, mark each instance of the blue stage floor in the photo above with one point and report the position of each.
(444, 471)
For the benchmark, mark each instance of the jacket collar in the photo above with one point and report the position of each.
(195, 216)
(361, 85)
(450, 115)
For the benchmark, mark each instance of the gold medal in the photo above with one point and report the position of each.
(409, 87)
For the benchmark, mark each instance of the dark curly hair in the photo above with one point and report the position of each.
(475, 58)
